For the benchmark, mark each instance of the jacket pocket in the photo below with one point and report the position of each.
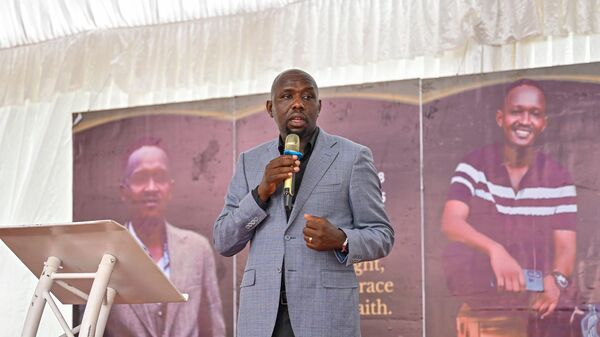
(338, 279)
(249, 278)
(330, 186)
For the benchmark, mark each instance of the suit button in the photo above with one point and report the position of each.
(287, 237)
(160, 313)
(279, 269)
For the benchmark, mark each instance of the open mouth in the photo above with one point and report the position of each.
(523, 132)
(150, 202)
(296, 121)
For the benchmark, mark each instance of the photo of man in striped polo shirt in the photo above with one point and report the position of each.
(510, 215)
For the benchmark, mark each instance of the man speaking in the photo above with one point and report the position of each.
(299, 278)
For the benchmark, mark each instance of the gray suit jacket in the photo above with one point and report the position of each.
(341, 184)
(192, 272)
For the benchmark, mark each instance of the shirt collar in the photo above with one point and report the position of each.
(498, 156)
(165, 261)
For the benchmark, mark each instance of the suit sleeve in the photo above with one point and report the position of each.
(371, 236)
(240, 216)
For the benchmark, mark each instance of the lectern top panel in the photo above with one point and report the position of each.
(80, 246)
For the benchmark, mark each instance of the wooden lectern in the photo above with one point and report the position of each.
(96, 263)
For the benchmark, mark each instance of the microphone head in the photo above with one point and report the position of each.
(292, 142)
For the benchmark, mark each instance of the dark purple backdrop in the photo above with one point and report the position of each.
(202, 144)
(204, 139)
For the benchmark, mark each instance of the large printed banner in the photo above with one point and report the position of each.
(511, 203)
(490, 185)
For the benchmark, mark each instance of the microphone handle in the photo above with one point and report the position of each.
(288, 192)
(287, 199)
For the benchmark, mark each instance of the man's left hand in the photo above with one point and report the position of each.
(545, 303)
(320, 234)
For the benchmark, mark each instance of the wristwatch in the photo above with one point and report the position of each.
(560, 279)
(344, 248)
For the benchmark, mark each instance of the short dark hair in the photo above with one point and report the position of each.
(521, 82)
(138, 144)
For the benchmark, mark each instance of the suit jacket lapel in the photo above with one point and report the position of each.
(321, 159)
(144, 311)
(177, 277)
(174, 242)
(271, 153)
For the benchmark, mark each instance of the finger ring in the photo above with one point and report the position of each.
(310, 239)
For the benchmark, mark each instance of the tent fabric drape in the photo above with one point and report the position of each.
(340, 42)
(422, 27)
(64, 56)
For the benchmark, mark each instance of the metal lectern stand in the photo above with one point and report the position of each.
(95, 263)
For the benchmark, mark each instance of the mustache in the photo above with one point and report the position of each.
(151, 197)
(519, 126)
(296, 114)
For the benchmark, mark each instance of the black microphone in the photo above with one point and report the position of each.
(292, 146)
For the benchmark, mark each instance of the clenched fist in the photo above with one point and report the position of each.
(321, 235)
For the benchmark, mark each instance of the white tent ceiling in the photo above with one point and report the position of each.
(133, 52)
(32, 21)
(61, 56)
(436, 24)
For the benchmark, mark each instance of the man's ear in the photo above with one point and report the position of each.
(172, 187)
(269, 106)
(499, 117)
(123, 192)
(319, 111)
(545, 123)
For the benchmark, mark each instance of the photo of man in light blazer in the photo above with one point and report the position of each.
(184, 256)
(299, 278)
